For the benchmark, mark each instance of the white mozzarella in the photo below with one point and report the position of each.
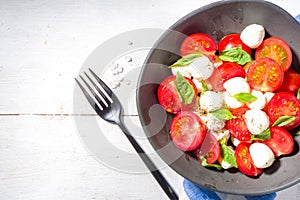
(212, 123)
(260, 102)
(261, 155)
(253, 35)
(220, 134)
(183, 70)
(257, 121)
(231, 102)
(236, 85)
(268, 96)
(198, 85)
(201, 68)
(211, 101)
(235, 141)
(225, 165)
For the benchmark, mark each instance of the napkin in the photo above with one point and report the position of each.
(195, 192)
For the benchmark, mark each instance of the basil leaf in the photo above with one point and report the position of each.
(245, 97)
(184, 89)
(236, 54)
(298, 94)
(265, 135)
(284, 120)
(205, 164)
(186, 60)
(227, 154)
(204, 87)
(222, 114)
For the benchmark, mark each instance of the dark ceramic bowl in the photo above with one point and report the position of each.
(217, 19)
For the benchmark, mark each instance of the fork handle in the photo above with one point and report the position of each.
(150, 165)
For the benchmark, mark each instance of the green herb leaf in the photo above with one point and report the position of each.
(265, 135)
(205, 164)
(204, 87)
(227, 154)
(298, 94)
(186, 60)
(284, 120)
(184, 89)
(245, 97)
(222, 114)
(236, 54)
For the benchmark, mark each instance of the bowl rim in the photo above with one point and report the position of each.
(155, 47)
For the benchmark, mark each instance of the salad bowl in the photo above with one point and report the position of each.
(217, 20)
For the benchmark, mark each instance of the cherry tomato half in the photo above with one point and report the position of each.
(209, 149)
(244, 160)
(230, 70)
(291, 82)
(198, 42)
(168, 96)
(265, 74)
(187, 130)
(284, 104)
(276, 49)
(281, 142)
(216, 82)
(231, 41)
(237, 126)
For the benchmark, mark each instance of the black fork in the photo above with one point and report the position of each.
(109, 108)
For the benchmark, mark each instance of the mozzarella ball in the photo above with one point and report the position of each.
(257, 121)
(198, 85)
(220, 134)
(211, 101)
(268, 96)
(260, 102)
(225, 165)
(201, 68)
(253, 35)
(212, 123)
(183, 70)
(235, 141)
(236, 85)
(230, 101)
(261, 155)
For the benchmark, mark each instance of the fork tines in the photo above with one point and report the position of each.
(99, 93)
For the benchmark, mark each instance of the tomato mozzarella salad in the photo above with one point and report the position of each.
(235, 103)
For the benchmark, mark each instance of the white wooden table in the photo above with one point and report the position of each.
(43, 45)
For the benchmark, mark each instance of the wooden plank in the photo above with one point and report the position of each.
(45, 159)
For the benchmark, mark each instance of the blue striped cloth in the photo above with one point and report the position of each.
(195, 192)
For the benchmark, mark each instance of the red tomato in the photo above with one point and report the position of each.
(209, 149)
(231, 41)
(230, 70)
(281, 142)
(237, 126)
(168, 96)
(291, 82)
(198, 42)
(215, 80)
(265, 74)
(244, 160)
(277, 49)
(187, 130)
(284, 104)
